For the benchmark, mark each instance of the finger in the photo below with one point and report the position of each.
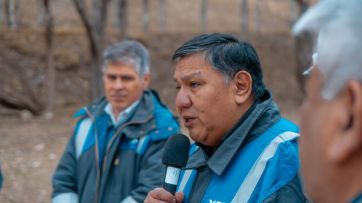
(159, 194)
(179, 197)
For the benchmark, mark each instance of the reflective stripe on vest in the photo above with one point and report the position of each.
(81, 135)
(247, 187)
(258, 170)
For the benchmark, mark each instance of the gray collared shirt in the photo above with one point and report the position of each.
(123, 115)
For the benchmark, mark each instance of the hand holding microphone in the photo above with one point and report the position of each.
(175, 157)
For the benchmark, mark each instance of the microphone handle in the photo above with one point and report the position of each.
(171, 179)
(170, 188)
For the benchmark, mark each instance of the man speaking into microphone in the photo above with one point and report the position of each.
(244, 150)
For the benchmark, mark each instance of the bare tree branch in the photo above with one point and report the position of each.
(49, 39)
(95, 31)
(122, 18)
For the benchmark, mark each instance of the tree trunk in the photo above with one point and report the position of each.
(95, 38)
(119, 18)
(145, 15)
(162, 15)
(100, 19)
(203, 16)
(2, 9)
(244, 16)
(49, 39)
(95, 9)
(12, 12)
(17, 12)
(122, 18)
(40, 19)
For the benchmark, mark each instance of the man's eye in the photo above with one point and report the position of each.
(127, 78)
(111, 77)
(178, 87)
(194, 84)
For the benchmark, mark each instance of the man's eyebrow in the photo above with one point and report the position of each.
(192, 75)
(189, 76)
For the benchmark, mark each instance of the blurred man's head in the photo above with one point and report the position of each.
(218, 77)
(331, 126)
(125, 73)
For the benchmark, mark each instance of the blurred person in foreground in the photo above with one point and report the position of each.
(245, 151)
(115, 152)
(331, 117)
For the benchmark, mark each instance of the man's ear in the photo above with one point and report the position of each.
(146, 80)
(243, 86)
(349, 141)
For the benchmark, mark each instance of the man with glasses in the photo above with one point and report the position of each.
(331, 120)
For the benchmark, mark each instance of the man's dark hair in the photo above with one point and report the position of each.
(228, 55)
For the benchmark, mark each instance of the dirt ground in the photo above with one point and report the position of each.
(30, 147)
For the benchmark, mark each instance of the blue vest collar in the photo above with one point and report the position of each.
(265, 110)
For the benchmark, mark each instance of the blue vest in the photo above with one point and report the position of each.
(258, 169)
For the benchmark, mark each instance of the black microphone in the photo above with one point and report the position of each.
(175, 156)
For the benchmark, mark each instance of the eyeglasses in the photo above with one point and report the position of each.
(309, 70)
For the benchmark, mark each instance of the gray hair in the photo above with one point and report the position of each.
(339, 45)
(127, 52)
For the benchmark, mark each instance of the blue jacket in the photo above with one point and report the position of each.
(256, 162)
(124, 168)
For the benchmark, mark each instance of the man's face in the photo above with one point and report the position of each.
(319, 123)
(123, 85)
(204, 101)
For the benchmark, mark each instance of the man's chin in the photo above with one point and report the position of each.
(196, 136)
(119, 106)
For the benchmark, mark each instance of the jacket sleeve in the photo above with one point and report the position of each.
(291, 193)
(151, 173)
(64, 179)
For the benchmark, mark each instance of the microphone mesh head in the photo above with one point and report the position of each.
(176, 152)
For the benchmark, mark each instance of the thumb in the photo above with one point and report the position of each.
(179, 197)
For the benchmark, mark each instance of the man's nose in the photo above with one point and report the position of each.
(118, 84)
(183, 99)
